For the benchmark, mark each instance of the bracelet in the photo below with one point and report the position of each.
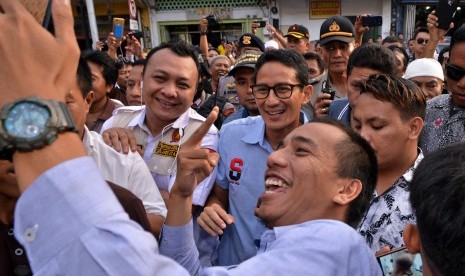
(203, 33)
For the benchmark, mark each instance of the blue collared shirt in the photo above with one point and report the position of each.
(303, 249)
(77, 227)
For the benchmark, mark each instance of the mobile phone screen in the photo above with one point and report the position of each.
(118, 31)
(400, 262)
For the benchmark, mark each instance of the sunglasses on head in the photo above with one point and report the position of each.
(422, 40)
(454, 72)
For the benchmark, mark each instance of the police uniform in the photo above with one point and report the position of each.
(160, 152)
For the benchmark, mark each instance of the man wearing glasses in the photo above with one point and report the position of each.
(421, 37)
(280, 89)
(445, 114)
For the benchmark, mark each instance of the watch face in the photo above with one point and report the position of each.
(27, 120)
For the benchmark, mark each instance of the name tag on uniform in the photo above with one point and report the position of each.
(166, 150)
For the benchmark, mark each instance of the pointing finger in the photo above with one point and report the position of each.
(198, 135)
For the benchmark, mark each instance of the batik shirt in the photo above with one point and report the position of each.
(388, 214)
(444, 124)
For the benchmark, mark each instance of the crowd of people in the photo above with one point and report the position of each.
(286, 157)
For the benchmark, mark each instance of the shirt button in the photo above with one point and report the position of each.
(11, 232)
(19, 251)
(30, 233)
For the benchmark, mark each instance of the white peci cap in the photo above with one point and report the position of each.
(424, 67)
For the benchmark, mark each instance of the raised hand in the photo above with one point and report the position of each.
(38, 47)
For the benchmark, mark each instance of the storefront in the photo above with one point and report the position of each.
(414, 13)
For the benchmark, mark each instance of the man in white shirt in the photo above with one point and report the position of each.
(128, 171)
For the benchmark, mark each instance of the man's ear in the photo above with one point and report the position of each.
(415, 127)
(348, 191)
(412, 238)
(109, 88)
(308, 93)
(89, 99)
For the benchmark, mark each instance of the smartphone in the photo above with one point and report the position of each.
(261, 24)
(402, 262)
(372, 21)
(118, 27)
(40, 9)
(445, 12)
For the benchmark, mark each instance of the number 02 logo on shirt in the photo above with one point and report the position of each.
(235, 169)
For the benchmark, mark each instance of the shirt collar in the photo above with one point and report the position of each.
(258, 135)
(408, 175)
(87, 140)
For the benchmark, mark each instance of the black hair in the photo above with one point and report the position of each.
(356, 160)
(458, 36)
(405, 57)
(372, 56)
(102, 59)
(442, 53)
(437, 195)
(420, 30)
(403, 94)
(178, 47)
(84, 77)
(289, 59)
(120, 64)
(318, 59)
(391, 39)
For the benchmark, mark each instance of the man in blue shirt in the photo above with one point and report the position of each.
(244, 146)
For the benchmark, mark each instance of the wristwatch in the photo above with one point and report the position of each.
(32, 123)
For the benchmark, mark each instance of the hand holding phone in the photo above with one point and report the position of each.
(445, 12)
(259, 24)
(372, 21)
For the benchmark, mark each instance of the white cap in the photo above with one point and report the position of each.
(271, 44)
(424, 67)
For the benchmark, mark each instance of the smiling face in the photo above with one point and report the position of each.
(339, 55)
(99, 86)
(301, 182)
(219, 68)
(280, 114)
(169, 86)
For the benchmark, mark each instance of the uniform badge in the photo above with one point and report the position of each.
(176, 137)
(246, 40)
(334, 27)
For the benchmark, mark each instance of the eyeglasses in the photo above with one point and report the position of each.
(282, 90)
(454, 72)
(422, 40)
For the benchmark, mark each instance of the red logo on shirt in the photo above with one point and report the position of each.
(438, 123)
(236, 169)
